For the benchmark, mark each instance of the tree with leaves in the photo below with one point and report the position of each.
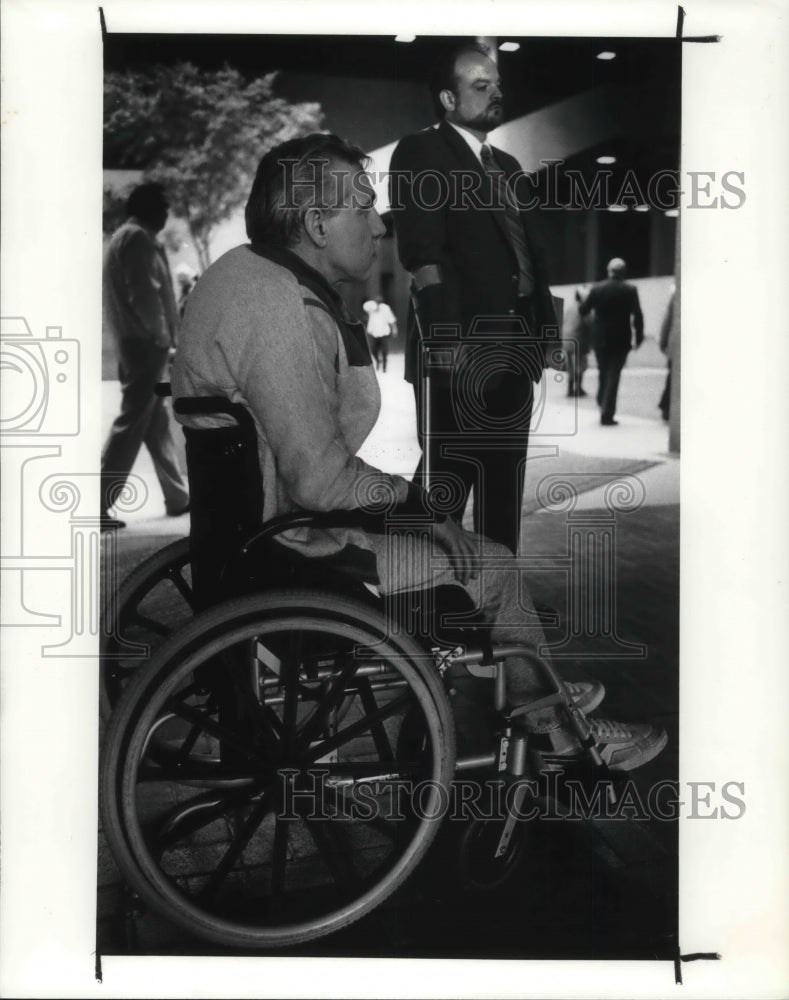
(200, 133)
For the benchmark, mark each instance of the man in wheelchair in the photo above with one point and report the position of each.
(265, 327)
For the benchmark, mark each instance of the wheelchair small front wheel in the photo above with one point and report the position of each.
(485, 862)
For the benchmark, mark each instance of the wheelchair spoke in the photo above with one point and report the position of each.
(336, 856)
(180, 584)
(236, 847)
(153, 626)
(394, 827)
(212, 728)
(194, 734)
(370, 705)
(330, 701)
(363, 725)
(279, 855)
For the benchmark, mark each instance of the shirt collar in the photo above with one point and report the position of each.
(306, 274)
(474, 144)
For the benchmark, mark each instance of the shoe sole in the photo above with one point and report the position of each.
(588, 703)
(560, 762)
(645, 758)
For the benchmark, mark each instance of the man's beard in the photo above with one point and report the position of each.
(487, 120)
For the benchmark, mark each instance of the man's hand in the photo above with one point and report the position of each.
(463, 548)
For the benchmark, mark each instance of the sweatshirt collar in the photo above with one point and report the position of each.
(306, 275)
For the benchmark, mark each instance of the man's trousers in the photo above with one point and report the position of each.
(482, 452)
(144, 419)
(609, 366)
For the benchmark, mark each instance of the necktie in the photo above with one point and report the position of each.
(503, 196)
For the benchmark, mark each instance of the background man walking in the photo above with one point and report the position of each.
(140, 309)
(617, 317)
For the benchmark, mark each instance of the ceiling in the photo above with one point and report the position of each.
(644, 79)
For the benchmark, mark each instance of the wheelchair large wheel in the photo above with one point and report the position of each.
(237, 804)
(153, 602)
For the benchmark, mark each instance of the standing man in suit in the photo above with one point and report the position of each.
(478, 278)
(617, 317)
(140, 310)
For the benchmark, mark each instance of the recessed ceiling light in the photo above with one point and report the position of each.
(672, 213)
(509, 46)
(605, 56)
(405, 38)
(606, 159)
(617, 208)
(641, 208)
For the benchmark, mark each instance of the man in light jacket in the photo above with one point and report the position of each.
(140, 311)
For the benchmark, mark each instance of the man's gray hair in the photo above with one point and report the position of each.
(293, 177)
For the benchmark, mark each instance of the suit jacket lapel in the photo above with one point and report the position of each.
(463, 152)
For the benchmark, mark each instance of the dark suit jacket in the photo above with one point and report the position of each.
(464, 235)
(614, 302)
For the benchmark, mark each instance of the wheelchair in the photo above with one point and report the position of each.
(280, 763)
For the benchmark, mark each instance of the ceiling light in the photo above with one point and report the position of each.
(672, 213)
(641, 208)
(510, 46)
(405, 38)
(618, 208)
(605, 56)
(606, 159)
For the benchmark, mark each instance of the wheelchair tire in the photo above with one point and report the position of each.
(209, 834)
(153, 601)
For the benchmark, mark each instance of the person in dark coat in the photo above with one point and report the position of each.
(617, 319)
(479, 285)
(664, 404)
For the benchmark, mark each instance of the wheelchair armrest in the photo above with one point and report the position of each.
(198, 406)
(365, 520)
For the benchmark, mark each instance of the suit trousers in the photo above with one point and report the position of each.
(144, 419)
(609, 365)
(484, 457)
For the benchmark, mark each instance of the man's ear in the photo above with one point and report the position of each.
(315, 226)
(447, 99)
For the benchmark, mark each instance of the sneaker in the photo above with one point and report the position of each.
(586, 695)
(622, 746)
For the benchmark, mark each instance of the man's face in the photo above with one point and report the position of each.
(477, 95)
(354, 231)
(158, 216)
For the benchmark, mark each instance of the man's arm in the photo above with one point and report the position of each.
(638, 318)
(422, 232)
(142, 278)
(665, 326)
(586, 305)
(284, 367)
